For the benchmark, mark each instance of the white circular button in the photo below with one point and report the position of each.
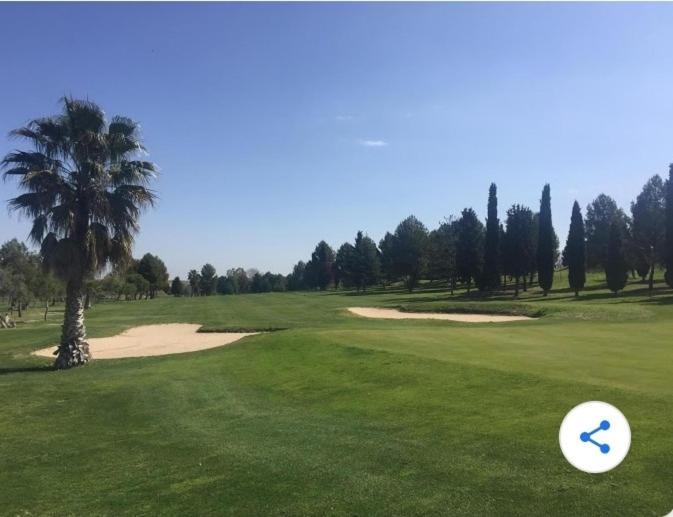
(595, 437)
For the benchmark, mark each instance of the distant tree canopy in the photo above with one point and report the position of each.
(599, 216)
(388, 269)
(23, 280)
(357, 265)
(296, 281)
(469, 247)
(319, 270)
(177, 287)
(648, 228)
(153, 269)
(194, 280)
(668, 247)
(442, 245)
(519, 246)
(409, 246)
(207, 280)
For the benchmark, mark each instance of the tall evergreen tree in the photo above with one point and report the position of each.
(490, 278)
(319, 270)
(668, 250)
(616, 271)
(367, 262)
(519, 243)
(469, 247)
(546, 243)
(345, 265)
(386, 246)
(575, 251)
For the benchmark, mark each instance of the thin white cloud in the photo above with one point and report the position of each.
(344, 118)
(374, 143)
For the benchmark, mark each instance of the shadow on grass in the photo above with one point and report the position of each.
(27, 369)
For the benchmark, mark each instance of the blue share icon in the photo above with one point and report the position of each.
(587, 437)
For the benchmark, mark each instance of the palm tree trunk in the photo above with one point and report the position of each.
(73, 350)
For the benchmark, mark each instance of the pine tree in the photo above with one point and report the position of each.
(490, 279)
(616, 271)
(469, 247)
(575, 251)
(648, 227)
(668, 246)
(546, 243)
(519, 243)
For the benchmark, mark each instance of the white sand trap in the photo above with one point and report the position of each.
(394, 314)
(150, 340)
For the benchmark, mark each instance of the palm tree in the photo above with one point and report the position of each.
(84, 190)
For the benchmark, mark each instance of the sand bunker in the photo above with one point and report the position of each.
(394, 314)
(149, 340)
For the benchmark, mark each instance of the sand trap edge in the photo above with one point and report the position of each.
(155, 340)
(396, 314)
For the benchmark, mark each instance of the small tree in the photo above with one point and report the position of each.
(546, 243)
(177, 288)
(575, 251)
(616, 271)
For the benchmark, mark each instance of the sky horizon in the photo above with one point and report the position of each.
(276, 126)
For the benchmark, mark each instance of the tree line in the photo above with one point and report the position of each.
(519, 251)
(24, 281)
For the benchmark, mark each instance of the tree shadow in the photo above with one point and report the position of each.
(27, 369)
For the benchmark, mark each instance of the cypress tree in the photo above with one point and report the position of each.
(616, 270)
(575, 251)
(491, 272)
(545, 243)
(668, 245)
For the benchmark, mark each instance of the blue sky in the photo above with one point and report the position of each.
(277, 125)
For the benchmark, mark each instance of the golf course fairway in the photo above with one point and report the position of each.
(339, 414)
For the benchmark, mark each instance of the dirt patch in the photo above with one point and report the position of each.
(395, 314)
(151, 340)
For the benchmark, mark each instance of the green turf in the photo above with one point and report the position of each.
(342, 415)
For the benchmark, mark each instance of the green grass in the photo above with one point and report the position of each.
(342, 415)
